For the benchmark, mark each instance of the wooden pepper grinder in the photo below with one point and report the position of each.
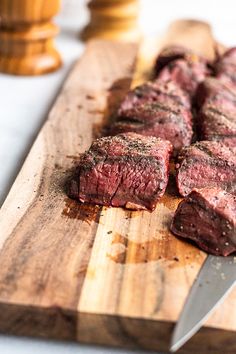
(26, 37)
(113, 19)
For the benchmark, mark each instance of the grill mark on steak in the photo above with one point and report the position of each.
(163, 107)
(177, 119)
(130, 120)
(217, 111)
(151, 112)
(207, 150)
(140, 93)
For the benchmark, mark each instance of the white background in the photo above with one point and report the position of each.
(24, 103)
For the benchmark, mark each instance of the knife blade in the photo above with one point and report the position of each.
(215, 280)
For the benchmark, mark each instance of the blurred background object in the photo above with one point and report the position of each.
(113, 19)
(156, 15)
(26, 30)
(26, 37)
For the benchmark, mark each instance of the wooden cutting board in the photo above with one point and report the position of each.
(88, 273)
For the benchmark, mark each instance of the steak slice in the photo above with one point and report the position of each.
(154, 91)
(160, 110)
(217, 123)
(225, 66)
(127, 170)
(208, 217)
(206, 164)
(172, 53)
(217, 115)
(216, 91)
(183, 67)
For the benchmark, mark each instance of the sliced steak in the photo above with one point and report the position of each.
(206, 164)
(160, 110)
(182, 66)
(208, 217)
(151, 92)
(172, 53)
(216, 91)
(217, 123)
(126, 170)
(225, 67)
(217, 114)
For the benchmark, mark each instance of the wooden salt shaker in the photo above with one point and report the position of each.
(113, 19)
(26, 37)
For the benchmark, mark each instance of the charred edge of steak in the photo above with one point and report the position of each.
(197, 219)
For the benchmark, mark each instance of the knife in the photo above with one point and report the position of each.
(215, 280)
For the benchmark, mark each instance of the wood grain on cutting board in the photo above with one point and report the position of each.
(93, 274)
